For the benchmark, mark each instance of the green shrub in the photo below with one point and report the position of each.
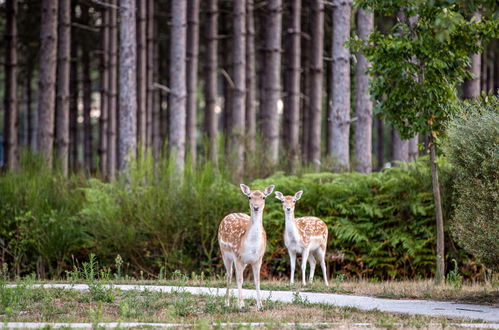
(472, 147)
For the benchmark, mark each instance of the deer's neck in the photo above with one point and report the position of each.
(290, 223)
(256, 220)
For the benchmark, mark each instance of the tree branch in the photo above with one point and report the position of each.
(106, 4)
(161, 87)
(228, 78)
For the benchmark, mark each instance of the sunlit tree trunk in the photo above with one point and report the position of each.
(113, 93)
(177, 101)
(141, 72)
(250, 120)
(271, 85)
(400, 148)
(210, 122)
(127, 85)
(10, 96)
(363, 104)
(339, 113)
(151, 107)
(46, 90)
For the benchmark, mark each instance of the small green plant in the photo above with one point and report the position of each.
(118, 262)
(298, 299)
(454, 277)
(184, 304)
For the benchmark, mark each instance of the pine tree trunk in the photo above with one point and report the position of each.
(87, 96)
(141, 72)
(339, 115)
(400, 147)
(471, 87)
(10, 96)
(291, 114)
(30, 122)
(483, 71)
(438, 214)
(63, 72)
(104, 99)
(226, 48)
(151, 55)
(177, 101)
(316, 70)
(380, 146)
(192, 75)
(210, 122)
(413, 148)
(113, 93)
(74, 92)
(46, 90)
(490, 70)
(237, 128)
(271, 86)
(127, 86)
(363, 105)
(250, 120)
(305, 106)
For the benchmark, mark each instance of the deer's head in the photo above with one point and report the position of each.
(256, 197)
(288, 202)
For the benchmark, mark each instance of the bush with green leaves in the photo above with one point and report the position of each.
(472, 146)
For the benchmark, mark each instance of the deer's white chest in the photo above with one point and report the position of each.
(292, 239)
(252, 249)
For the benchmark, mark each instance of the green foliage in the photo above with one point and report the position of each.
(418, 65)
(472, 147)
(454, 277)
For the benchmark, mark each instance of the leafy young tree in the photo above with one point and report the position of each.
(415, 70)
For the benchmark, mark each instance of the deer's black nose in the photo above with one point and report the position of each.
(288, 208)
(256, 208)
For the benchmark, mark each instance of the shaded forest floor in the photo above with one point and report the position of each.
(101, 304)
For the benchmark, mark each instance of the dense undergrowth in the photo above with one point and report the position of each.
(381, 224)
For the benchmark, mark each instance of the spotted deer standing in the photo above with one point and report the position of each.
(306, 235)
(243, 240)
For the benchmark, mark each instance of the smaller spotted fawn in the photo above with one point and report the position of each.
(306, 235)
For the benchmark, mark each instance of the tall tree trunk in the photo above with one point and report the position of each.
(271, 86)
(30, 122)
(104, 99)
(73, 104)
(127, 86)
(316, 70)
(438, 213)
(10, 97)
(210, 122)
(400, 148)
(192, 74)
(151, 55)
(141, 72)
(226, 62)
(291, 114)
(471, 87)
(413, 148)
(339, 116)
(250, 120)
(380, 146)
(46, 90)
(239, 91)
(113, 93)
(305, 106)
(87, 96)
(363, 104)
(63, 72)
(483, 70)
(490, 70)
(177, 102)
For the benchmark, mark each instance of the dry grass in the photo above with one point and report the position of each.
(56, 305)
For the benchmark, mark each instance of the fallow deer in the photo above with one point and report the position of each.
(243, 240)
(306, 235)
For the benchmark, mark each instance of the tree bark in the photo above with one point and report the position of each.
(127, 86)
(363, 104)
(192, 75)
(151, 55)
(483, 71)
(74, 92)
(305, 106)
(413, 148)
(87, 97)
(10, 96)
(291, 114)
(113, 93)
(438, 214)
(339, 115)
(490, 70)
(141, 72)
(380, 146)
(316, 71)
(210, 122)
(104, 99)
(250, 120)
(30, 122)
(237, 129)
(46, 90)
(177, 101)
(400, 147)
(271, 86)
(63, 72)
(471, 87)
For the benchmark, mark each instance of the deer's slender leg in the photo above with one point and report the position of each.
(292, 259)
(321, 256)
(228, 267)
(256, 277)
(304, 258)
(239, 280)
(311, 261)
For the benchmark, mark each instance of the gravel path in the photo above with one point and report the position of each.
(422, 307)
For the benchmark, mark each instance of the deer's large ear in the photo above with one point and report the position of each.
(279, 196)
(297, 196)
(269, 190)
(245, 189)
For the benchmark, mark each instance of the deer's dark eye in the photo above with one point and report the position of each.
(249, 197)
(263, 197)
